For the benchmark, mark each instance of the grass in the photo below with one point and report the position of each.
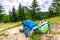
(36, 36)
(54, 20)
(3, 34)
(7, 26)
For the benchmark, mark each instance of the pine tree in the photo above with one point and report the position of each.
(21, 13)
(1, 10)
(49, 13)
(13, 15)
(55, 7)
(10, 16)
(34, 9)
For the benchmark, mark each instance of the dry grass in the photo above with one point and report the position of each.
(6, 26)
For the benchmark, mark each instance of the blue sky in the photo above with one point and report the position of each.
(8, 4)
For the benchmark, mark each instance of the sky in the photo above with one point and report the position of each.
(8, 4)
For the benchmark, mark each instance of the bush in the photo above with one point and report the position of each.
(35, 36)
(5, 18)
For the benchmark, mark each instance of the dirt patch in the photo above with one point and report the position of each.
(55, 29)
(14, 34)
(50, 37)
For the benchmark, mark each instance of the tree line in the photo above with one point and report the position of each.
(32, 13)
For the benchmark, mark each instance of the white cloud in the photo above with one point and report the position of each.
(45, 5)
(8, 4)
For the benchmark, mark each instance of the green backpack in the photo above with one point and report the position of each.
(43, 28)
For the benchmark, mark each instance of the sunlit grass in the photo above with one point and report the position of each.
(54, 20)
(7, 26)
